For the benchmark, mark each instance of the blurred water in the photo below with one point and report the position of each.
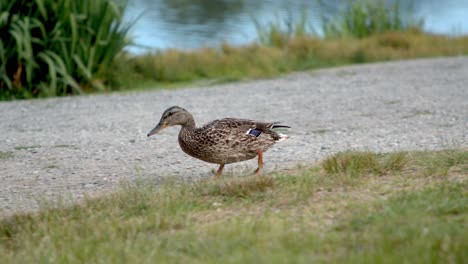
(188, 24)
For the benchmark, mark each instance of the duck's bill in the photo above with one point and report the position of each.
(156, 129)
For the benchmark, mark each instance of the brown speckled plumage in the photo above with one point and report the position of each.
(221, 141)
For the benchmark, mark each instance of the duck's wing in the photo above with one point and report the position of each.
(229, 126)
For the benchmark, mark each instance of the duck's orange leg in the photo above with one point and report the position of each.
(260, 162)
(219, 171)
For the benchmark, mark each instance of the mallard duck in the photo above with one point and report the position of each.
(221, 141)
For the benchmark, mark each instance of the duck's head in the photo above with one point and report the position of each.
(173, 116)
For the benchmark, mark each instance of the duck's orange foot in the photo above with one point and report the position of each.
(260, 163)
(218, 172)
(257, 171)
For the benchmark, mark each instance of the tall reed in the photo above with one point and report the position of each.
(362, 18)
(58, 47)
(278, 32)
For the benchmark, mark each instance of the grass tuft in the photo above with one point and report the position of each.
(351, 163)
(440, 163)
(394, 162)
(354, 164)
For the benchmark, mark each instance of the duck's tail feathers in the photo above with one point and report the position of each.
(278, 125)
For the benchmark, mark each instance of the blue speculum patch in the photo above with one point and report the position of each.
(254, 132)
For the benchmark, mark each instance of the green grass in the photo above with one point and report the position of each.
(6, 155)
(441, 163)
(355, 164)
(309, 215)
(427, 226)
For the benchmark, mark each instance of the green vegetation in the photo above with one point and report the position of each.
(27, 147)
(402, 212)
(230, 63)
(368, 31)
(6, 155)
(359, 163)
(364, 18)
(277, 33)
(441, 163)
(72, 47)
(51, 48)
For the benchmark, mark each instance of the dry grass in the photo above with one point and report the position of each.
(229, 63)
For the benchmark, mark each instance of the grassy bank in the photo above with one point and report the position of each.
(352, 208)
(229, 63)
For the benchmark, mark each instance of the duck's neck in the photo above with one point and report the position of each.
(190, 124)
(186, 132)
(188, 137)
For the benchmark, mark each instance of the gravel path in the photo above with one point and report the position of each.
(71, 146)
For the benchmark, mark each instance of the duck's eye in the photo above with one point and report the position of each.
(170, 113)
